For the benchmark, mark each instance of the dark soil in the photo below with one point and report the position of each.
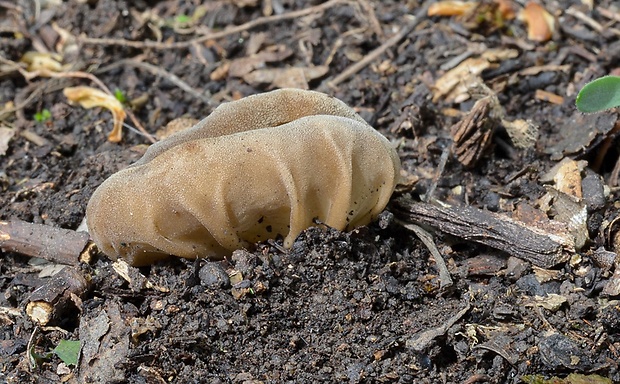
(364, 306)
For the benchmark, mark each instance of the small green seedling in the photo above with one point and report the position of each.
(67, 350)
(182, 19)
(42, 116)
(599, 95)
(120, 95)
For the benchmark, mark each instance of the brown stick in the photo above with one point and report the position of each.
(59, 245)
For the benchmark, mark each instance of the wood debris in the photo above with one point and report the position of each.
(451, 8)
(60, 294)
(564, 201)
(548, 96)
(544, 248)
(6, 134)
(58, 245)
(472, 135)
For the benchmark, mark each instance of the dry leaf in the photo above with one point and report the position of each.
(5, 136)
(38, 61)
(293, 77)
(244, 65)
(66, 43)
(506, 9)
(220, 72)
(551, 302)
(451, 8)
(177, 125)
(255, 42)
(523, 133)
(567, 176)
(544, 275)
(454, 85)
(540, 23)
(90, 97)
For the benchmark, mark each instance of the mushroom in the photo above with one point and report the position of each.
(266, 166)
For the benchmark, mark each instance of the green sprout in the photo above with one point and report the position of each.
(187, 21)
(120, 95)
(182, 19)
(42, 116)
(599, 95)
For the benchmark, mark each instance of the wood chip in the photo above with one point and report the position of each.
(548, 96)
(451, 8)
(6, 134)
(52, 301)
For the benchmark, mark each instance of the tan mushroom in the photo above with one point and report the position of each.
(258, 168)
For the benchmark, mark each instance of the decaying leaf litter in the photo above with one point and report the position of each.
(479, 101)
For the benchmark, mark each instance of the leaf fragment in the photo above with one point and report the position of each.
(68, 351)
(6, 134)
(38, 61)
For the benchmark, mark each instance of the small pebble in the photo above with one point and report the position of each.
(212, 275)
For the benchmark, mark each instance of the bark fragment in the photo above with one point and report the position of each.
(542, 248)
(58, 296)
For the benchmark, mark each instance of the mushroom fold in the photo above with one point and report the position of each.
(263, 167)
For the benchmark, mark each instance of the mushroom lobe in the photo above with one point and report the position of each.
(251, 171)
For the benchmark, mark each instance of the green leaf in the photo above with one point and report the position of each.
(599, 95)
(68, 351)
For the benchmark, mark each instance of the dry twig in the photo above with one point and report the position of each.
(445, 280)
(174, 79)
(59, 245)
(215, 35)
(373, 55)
(423, 340)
